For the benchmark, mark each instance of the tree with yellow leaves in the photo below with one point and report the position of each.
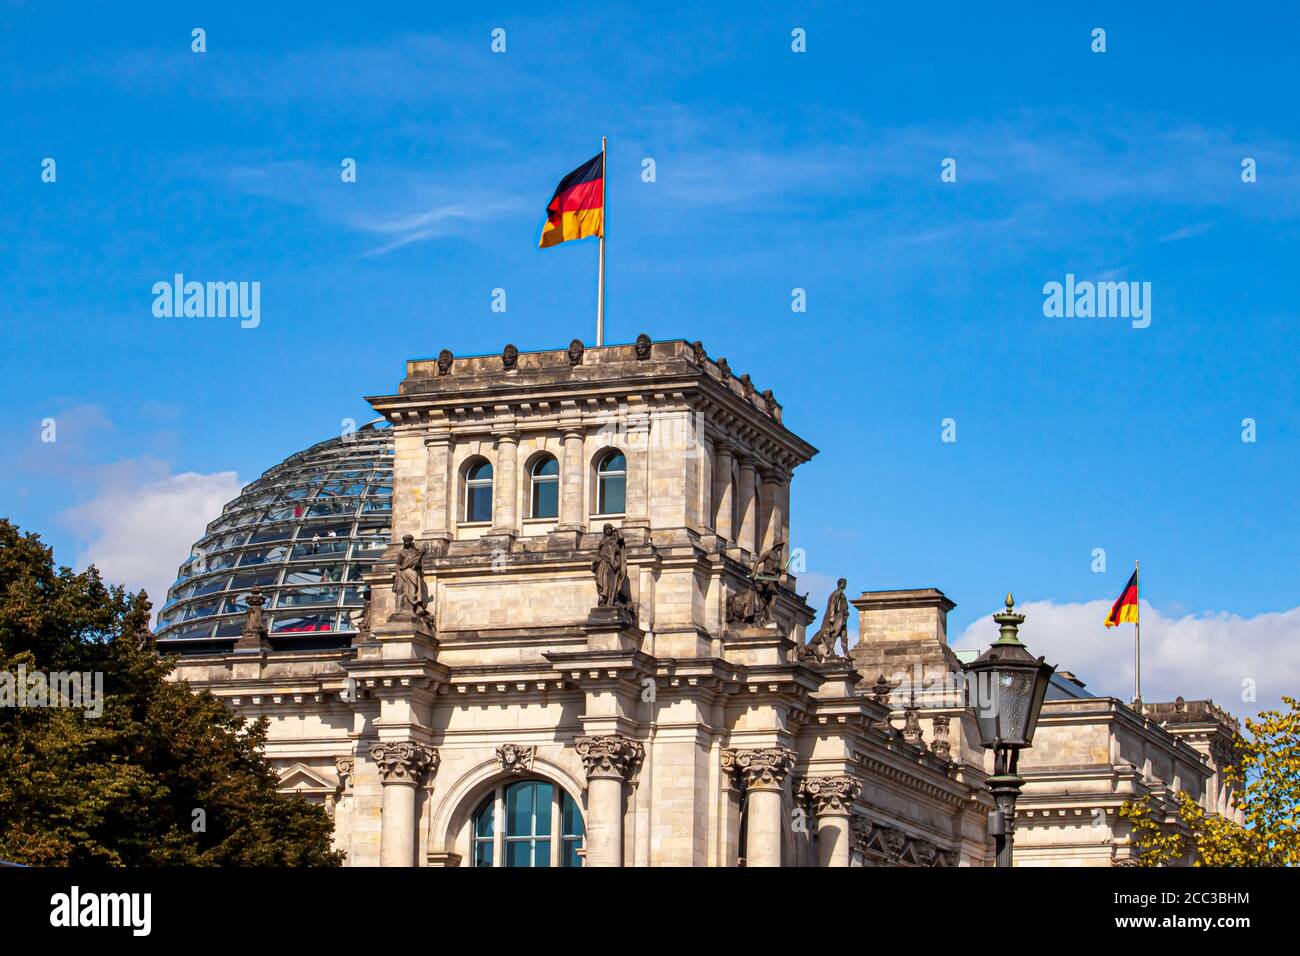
(1267, 775)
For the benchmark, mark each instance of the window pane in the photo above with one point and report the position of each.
(519, 809)
(543, 797)
(614, 462)
(482, 852)
(483, 820)
(569, 853)
(546, 466)
(478, 503)
(480, 470)
(519, 853)
(546, 499)
(613, 492)
(570, 817)
(542, 853)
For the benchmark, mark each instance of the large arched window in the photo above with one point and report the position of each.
(545, 494)
(611, 484)
(478, 491)
(528, 823)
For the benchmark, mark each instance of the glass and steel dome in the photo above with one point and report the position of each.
(304, 533)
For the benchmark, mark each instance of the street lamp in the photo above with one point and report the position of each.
(1006, 685)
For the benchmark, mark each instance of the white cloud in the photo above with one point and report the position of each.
(142, 521)
(1210, 654)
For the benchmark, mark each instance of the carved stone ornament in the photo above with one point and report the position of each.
(830, 794)
(255, 624)
(895, 841)
(698, 354)
(860, 829)
(444, 362)
(642, 347)
(912, 725)
(762, 769)
(725, 369)
(516, 758)
(343, 767)
(576, 351)
(925, 852)
(769, 400)
(403, 761)
(509, 357)
(747, 386)
(881, 690)
(611, 755)
(941, 745)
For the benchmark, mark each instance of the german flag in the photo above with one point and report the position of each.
(1125, 608)
(577, 210)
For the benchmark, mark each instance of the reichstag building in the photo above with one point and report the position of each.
(541, 613)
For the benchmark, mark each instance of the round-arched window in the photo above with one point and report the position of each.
(545, 495)
(528, 823)
(478, 491)
(611, 484)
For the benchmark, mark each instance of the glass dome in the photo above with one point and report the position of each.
(304, 533)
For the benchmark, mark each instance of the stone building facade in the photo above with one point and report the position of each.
(585, 643)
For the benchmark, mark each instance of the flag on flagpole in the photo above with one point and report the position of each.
(577, 210)
(1125, 608)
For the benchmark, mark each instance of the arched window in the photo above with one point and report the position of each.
(546, 488)
(611, 484)
(478, 491)
(540, 825)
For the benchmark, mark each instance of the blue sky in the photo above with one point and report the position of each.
(775, 170)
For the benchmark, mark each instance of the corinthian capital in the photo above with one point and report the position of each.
(762, 769)
(611, 755)
(830, 794)
(403, 761)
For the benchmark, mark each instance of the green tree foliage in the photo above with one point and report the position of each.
(128, 788)
(1267, 775)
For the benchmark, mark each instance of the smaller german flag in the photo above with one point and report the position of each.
(577, 210)
(1125, 609)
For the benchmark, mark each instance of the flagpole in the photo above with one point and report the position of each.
(600, 274)
(1137, 642)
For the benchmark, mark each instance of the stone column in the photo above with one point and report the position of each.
(505, 484)
(722, 491)
(764, 771)
(771, 509)
(610, 761)
(832, 802)
(437, 490)
(573, 476)
(748, 535)
(402, 765)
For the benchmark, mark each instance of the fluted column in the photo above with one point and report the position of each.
(722, 492)
(832, 801)
(772, 521)
(437, 493)
(748, 534)
(610, 761)
(505, 484)
(763, 771)
(573, 474)
(402, 766)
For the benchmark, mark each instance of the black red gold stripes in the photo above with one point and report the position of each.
(577, 209)
(1125, 608)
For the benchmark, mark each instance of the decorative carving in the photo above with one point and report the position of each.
(698, 354)
(611, 755)
(408, 580)
(404, 761)
(925, 852)
(725, 369)
(516, 758)
(941, 746)
(769, 401)
(894, 843)
(835, 626)
(343, 766)
(830, 794)
(361, 619)
(444, 362)
(755, 602)
(610, 569)
(912, 725)
(762, 769)
(860, 830)
(747, 386)
(881, 690)
(642, 347)
(509, 357)
(576, 351)
(254, 631)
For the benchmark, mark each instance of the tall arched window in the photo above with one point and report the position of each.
(528, 823)
(611, 484)
(545, 494)
(478, 491)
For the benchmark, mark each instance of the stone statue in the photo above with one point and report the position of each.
(835, 626)
(756, 603)
(610, 569)
(576, 350)
(408, 579)
(254, 623)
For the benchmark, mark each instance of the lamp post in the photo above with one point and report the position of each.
(1006, 686)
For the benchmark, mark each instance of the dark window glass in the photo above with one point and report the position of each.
(546, 488)
(478, 492)
(611, 485)
(301, 597)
